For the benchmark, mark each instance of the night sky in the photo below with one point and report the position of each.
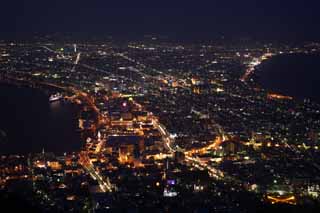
(236, 18)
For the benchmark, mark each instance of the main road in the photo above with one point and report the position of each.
(168, 144)
(104, 185)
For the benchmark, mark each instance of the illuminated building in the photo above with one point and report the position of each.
(142, 116)
(127, 153)
(127, 116)
(54, 165)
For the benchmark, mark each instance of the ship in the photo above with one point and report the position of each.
(55, 97)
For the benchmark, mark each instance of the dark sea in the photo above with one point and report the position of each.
(30, 123)
(297, 75)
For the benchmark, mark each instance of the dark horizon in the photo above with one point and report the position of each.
(272, 20)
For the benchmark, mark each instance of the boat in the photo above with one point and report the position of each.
(55, 97)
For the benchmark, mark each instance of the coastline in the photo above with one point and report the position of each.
(28, 110)
(290, 75)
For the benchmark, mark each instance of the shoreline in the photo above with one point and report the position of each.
(56, 117)
(267, 75)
